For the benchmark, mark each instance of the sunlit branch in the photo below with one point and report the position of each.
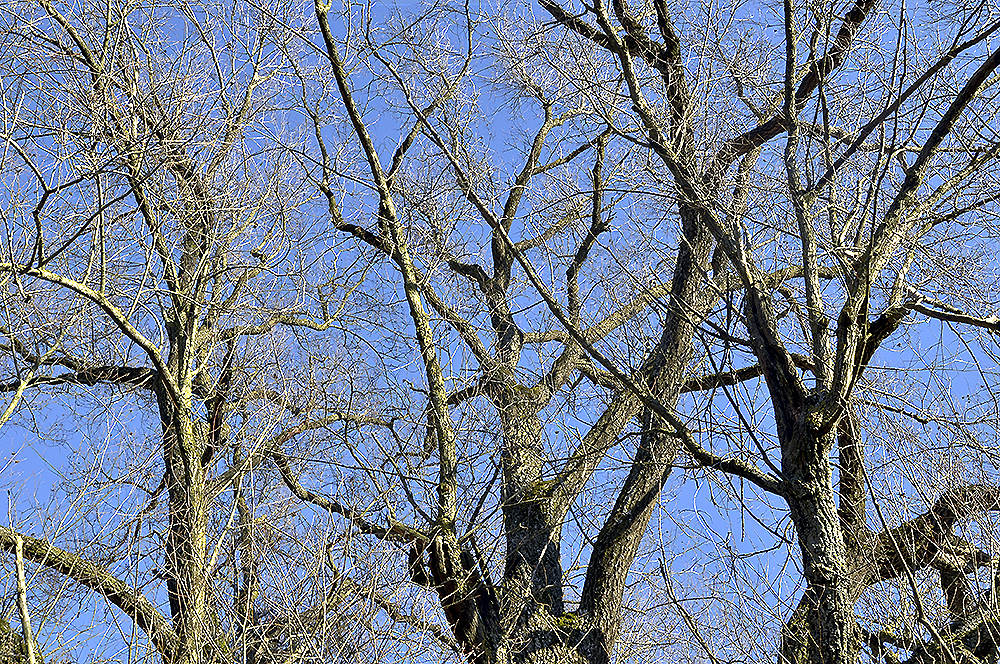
(396, 531)
(114, 313)
(90, 575)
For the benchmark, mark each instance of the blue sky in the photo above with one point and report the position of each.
(711, 539)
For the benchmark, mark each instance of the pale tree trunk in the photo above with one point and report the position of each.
(19, 648)
(187, 535)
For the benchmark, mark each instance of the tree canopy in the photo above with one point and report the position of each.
(527, 332)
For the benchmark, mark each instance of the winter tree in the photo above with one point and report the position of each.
(524, 333)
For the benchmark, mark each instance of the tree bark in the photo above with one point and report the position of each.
(532, 593)
(665, 372)
(187, 534)
(22, 602)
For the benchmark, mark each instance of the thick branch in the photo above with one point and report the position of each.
(942, 311)
(116, 315)
(922, 541)
(727, 378)
(134, 376)
(90, 575)
(288, 319)
(819, 70)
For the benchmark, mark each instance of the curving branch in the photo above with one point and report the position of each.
(818, 70)
(287, 319)
(928, 540)
(393, 610)
(396, 531)
(116, 315)
(658, 292)
(727, 378)
(112, 375)
(91, 575)
(229, 477)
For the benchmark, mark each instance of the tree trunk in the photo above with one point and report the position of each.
(12, 646)
(187, 534)
(822, 630)
(531, 600)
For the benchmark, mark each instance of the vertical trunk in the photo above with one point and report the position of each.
(248, 643)
(13, 649)
(823, 629)
(469, 605)
(187, 533)
(618, 542)
(664, 372)
(532, 599)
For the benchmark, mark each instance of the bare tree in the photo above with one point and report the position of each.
(426, 307)
(155, 250)
(866, 175)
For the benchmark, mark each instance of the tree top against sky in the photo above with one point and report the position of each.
(544, 332)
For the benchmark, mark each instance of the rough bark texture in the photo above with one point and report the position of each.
(524, 617)
(664, 372)
(12, 646)
(827, 606)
